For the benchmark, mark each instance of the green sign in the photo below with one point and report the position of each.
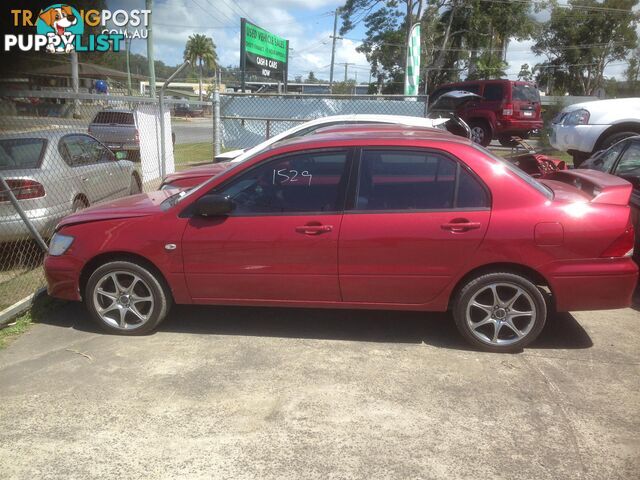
(262, 43)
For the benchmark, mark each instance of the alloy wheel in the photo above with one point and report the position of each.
(123, 300)
(501, 314)
(477, 134)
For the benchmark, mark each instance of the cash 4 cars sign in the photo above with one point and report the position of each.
(262, 53)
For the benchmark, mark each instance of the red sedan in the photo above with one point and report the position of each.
(403, 219)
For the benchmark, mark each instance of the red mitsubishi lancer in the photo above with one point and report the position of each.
(401, 219)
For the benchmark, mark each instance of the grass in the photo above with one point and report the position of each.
(19, 285)
(19, 326)
(189, 153)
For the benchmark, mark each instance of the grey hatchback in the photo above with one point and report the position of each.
(53, 174)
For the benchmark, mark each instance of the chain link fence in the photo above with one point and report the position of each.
(62, 152)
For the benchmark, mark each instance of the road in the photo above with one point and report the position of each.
(248, 393)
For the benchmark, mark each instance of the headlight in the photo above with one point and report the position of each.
(577, 117)
(59, 244)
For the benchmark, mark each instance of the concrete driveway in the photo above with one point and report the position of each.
(247, 393)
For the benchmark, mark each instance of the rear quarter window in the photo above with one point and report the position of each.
(21, 153)
(114, 118)
(525, 93)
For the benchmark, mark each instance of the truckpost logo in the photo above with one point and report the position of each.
(60, 28)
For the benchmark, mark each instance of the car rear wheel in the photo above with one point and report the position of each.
(480, 132)
(500, 312)
(126, 298)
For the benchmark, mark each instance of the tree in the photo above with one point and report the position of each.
(311, 78)
(580, 41)
(457, 35)
(344, 88)
(201, 50)
(525, 73)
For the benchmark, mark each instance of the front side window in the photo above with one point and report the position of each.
(298, 183)
(411, 180)
(79, 150)
(630, 161)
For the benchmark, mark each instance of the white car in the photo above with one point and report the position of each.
(584, 128)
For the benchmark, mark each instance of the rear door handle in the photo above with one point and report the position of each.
(461, 226)
(314, 229)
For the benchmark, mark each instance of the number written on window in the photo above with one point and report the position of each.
(285, 175)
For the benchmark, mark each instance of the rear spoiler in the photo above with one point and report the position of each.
(600, 186)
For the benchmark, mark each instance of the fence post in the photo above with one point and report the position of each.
(216, 124)
(163, 153)
(14, 201)
(268, 130)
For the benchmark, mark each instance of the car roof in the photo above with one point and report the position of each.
(44, 134)
(377, 127)
(391, 133)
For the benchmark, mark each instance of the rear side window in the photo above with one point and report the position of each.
(116, 118)
(20, 153)
(405, 180)
(473, 88)
(525, 93)
(493, 92)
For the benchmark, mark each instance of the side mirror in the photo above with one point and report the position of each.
(121, 155)
(214, 205)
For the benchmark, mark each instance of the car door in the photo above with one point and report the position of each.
(115, 175)
(280, 243)
(414, 221)
(84, 171)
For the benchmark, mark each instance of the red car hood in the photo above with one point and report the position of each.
(140, 205)
(201, 171)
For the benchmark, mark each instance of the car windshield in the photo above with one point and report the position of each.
(543, 189)
(526, 93)
(20, 153)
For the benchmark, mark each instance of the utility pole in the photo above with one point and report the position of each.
(150, 57)
(346, 66)
(75, 82)
(333, 48)
(127, 40)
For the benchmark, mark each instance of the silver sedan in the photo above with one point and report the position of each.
(53, 174)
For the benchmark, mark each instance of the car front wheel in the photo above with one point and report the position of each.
(500, 312)
(126, 298)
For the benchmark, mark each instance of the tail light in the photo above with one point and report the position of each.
(22, 190)
(623, 245)
(507, 110)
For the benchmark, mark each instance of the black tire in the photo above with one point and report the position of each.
(79, 203)
(158, 292)
(480, 132)
(506, 141)
(134, 185)
(615, 138)
(579, 158)
(530, 328)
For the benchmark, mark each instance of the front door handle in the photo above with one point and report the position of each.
(314, 229)
(460, 226)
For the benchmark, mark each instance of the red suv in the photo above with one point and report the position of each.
(508, 109)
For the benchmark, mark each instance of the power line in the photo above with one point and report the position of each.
(565, 5)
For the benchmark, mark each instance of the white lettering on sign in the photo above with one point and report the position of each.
(265, 62)
(285, 175)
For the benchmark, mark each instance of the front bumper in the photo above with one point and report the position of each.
(63, 276)
(581, 138)
(599, 284)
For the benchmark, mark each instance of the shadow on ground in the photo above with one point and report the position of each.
(437, 329)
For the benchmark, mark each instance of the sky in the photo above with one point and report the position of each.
(307, 24)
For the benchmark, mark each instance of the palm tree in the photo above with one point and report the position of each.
(200, 49)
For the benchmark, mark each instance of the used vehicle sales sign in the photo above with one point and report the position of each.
(264, 53)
